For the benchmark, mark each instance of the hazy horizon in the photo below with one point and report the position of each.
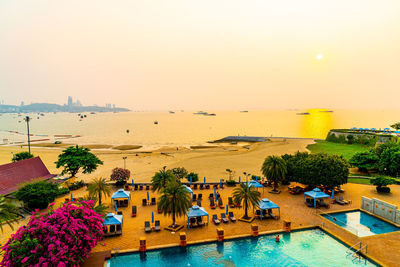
(209, 55)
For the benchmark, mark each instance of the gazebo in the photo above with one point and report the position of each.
(266, 204)
(196, 211)
(121, 193)
(316, 193)
(255, 184)
(113, 219)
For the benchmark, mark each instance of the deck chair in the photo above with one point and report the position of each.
(134, 210)
(211, 195)
(199, 202)
(207, 186)
(323, 204)
(157, 226)
(136, 187)
(195, 186)
(144, 202)
(223, 218)
(201, 187)
(215, 219)
(220, 204)
(193, 222)
(194, 197)
(119, 212)
(200, 196)
(140, 187)
(212, 203)
(147, 187)
(200, 221)
(232, 217)
(147, 227)
(153, 201)
(230, 202)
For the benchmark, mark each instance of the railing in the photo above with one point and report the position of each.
(357, 254)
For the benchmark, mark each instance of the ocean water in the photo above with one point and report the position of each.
(300, 248)
(185, 128)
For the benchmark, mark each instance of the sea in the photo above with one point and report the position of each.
(184, 128)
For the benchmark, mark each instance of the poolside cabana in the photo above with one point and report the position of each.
(196, 211)
(266, 204)
(121, 194)
(113, 219)
(316, 193)
(188, 189)
(255, 184)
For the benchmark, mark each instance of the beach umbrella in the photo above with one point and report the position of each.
(204, 179)
(333, 193)
(152, 217)
(190, 179)
(115, 206)
(239, 179)
(215, 193)
(133, 184)
(220, 183)
(148, 197)
(227, 209)
(72, 198)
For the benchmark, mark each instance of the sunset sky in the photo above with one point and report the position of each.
(209, 54)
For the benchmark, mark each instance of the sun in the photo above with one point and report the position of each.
(319, 56)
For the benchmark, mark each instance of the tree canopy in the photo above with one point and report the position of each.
(21, 156)
(365, 161)
(248, 195)
(38, 195)
(74, 158)
(194, 176)
(274, 168)
(161, 179)
(179, 172)
(120, 175)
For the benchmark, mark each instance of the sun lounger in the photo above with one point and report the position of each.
(232, 217)
(147, 227)
(193, 222)
(201, 187)
(119, 212)
(144, 202)
(200, 221)
(140, 187)
(194, 197)
(212, 203)
(157, 226)
(215, 219)
(136, 187)
(200, 196)
(207, 186)
(211, 195)
(220, 204)
(147, 187)
(199, 202)
(323, 204)
(195, 186)
(134, 210)
(230, 202)
(223, 218)
(341, 201)
(153, 201)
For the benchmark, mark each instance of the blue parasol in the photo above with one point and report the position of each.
(227, 209)
(215, 193)
(204, 179)
(152, 217)
(148, 196)
(133, 184)
(220, 183)
(190, 179)
(115, 205)
(239, 179)
(72, 198)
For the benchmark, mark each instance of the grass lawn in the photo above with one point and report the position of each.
(345, 150)
(358, 180)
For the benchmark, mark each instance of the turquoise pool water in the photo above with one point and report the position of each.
(361, 223)
(301, 248)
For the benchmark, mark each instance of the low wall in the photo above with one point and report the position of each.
(381, 208)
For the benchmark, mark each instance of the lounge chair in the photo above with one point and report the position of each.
(193, 222)
(200, 221)
(140, 187)
(144, 202)
(211, 195)
(212, 203)
(232, 217)
(341, 201)
(119, 212)
(195, 186)
(220, 204)
(194, 197)
(153, 201)
(200, 196)
(215, 219)
(147, 187)
(147, 227)
(223, 218)
(134, 210)
(157, 226)
(201, 187)
(323, 204)
(207, 186)
(126, 203)
(199, 202)
(136, 187)
(230, 202)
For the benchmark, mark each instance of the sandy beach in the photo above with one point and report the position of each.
(210, 162)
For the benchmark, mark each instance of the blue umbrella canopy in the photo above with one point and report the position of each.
(188, 189)
(112, 218)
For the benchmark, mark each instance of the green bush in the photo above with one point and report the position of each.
(76, 185)
(195, 177)
(38, 195)
(21, 156)
(365, 161)
(350, 139)
(62, 191)
(383, 189)
(230, 182)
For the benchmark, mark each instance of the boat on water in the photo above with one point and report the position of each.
(92, 112)
(303, 113)
(210, 114)
(171, 112)
(155, 122)
(200, 113)
(326, 111)
(244, 111)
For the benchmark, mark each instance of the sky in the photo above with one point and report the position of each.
(209, 54)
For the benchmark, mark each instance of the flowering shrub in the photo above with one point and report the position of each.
(120, 175)
(61, 237)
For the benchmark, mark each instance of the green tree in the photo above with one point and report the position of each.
(161, 179)
(382, 147)
(396, 126)
(274, 168)
(98, 188)
(382, 183)
(194, 176)
(365, 161)
(248, 195)
(8, 213)
(38, 195)
(389, 161)
(175, 199)
(74, 157)
(179, 172)
(120, 175)
(21, 156)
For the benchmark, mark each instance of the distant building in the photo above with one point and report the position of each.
(22, 103)
(70, 102)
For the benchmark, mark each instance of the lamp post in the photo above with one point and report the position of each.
(124, 158)
(27, 119)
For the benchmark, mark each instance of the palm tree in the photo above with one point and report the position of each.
(274, 168)
(161, 179)
(175, 199)
(248, 195)
(8, 213)
(99, 187)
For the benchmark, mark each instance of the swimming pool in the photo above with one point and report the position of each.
(300, 248)
(361, 223)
